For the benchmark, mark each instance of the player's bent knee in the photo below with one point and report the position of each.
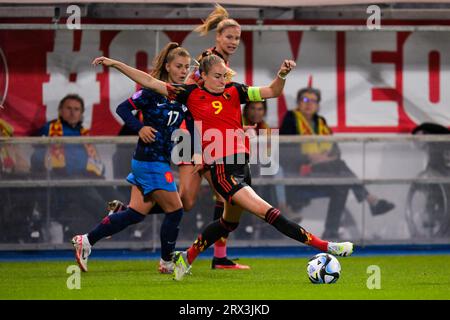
(188, 203)
(141, 210)
(229, 226)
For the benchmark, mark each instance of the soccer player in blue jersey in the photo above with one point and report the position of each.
(151, 176)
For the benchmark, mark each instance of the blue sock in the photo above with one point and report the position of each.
(114, 223)
(169, 233)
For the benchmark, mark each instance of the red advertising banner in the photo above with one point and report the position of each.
(370, 81)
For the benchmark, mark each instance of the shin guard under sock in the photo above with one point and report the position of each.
(114, 223)
(214, 231)
(220, 246)
(169, 233)
(293, 230)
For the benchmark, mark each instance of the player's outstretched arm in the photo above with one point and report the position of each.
(276, 87)
(138, 76)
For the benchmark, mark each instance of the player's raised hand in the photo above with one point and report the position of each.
(104, 61)
(286, 67)
(147, 134)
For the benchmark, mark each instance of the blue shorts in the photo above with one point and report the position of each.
(151, 176)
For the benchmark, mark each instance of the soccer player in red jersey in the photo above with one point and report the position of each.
(228, 36)
(217, 105)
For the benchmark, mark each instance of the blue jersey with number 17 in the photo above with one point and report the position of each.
(163, 115)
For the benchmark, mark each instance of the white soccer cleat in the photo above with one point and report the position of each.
(182, 266)
(166, 267)
(82, 250)
(341, 249)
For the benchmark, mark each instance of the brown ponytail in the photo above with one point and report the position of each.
(166, 55)
(218, 19)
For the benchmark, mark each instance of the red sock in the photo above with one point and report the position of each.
(220, 248)
(318, 243)
(192, 254)
(197, 247)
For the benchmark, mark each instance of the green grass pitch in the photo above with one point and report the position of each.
(402, 277)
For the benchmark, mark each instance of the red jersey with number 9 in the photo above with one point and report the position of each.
(219, 116)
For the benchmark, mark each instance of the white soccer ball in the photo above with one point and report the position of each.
(323, 268)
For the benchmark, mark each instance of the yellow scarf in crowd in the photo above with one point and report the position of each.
(304, 128)
(6, 160)
(57, 157)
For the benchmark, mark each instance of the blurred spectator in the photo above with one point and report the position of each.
(73, 207)
(12, 160)
(253, 119)
(431, 217)
(438, 152)
(430, 128)
(254, 114)
(71, 160)
(322, 159)
(16, 218)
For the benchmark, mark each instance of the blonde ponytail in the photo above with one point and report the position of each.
(218, 19)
